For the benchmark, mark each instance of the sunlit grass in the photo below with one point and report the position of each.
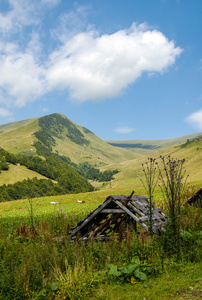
(178, 282)
(19, 172)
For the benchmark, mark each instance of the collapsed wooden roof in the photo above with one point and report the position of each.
(196, 199)
(115, 210)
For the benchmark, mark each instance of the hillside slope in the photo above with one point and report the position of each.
(145, 147)
(63, 137)
(17, 172)
(131, 172)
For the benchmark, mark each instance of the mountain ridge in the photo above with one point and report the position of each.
(152, 144)
(74, 141)
(11, 139)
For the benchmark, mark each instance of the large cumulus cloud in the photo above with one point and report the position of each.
(93, 66)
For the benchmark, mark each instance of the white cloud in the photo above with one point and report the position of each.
(195, 119)
(4, 113)
(34, 46)
(96, 67)
(71, 23)
(45, 109)
(21, 13)
(124, 130)
(88, 65)
(21, 76)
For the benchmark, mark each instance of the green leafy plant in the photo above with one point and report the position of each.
(129, 271)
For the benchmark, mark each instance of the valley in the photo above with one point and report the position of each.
(64, 138)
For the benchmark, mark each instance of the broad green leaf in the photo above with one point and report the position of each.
(140, 275)
(54, 287)
(114, 270)
(129, 268)
(135, 260)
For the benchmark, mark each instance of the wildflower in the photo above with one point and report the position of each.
(133, 280)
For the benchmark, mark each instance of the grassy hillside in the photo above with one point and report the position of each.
(126, 180)
(17, 172)
(55, 139)
(65, 137)
(131, 171)
(97, 152)
(145, 147)
(18, 136)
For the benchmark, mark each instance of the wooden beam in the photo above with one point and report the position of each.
(143, 219)
(140, 213)
(111, 219)
(130, 214)
(113, 211)
(101, 227)
(88, 219)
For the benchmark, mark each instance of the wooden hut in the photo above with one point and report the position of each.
(116, 211)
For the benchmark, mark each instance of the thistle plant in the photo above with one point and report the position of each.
(150, 171)
(173, 180)
(31, 208)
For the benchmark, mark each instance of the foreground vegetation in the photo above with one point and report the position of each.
(39, 261)
(37, 264)
(178, 281)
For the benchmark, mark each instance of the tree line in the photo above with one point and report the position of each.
(63, 176)
(67, 179)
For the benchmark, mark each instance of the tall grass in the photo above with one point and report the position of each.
(44, 264)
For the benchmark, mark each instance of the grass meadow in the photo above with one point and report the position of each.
(35, 264)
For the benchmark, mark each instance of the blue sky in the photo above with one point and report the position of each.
(124, 69)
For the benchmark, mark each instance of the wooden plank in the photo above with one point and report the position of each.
(101, 227)
(112, 211)
(88, 219)
(140, 205)
(111, 219)
(143, 219)
(131, 214)
(140, 213)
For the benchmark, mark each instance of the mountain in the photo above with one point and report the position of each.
(61, 136)
(145, 147)
(52, 155)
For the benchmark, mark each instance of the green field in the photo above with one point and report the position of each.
(46, 269)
